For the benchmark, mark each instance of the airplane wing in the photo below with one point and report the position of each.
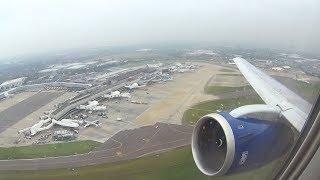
(292, 107)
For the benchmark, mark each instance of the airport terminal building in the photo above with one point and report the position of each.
(12, 83)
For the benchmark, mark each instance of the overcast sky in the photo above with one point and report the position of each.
(32, 26)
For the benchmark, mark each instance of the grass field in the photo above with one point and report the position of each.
(224, 89)
(192, 115)
(226, 70)
(310, 91)
(175, 164)
(48, 150)
(230, 74)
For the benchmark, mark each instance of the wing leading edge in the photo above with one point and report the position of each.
(292, 107)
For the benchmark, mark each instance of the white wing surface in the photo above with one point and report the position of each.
(292, 107)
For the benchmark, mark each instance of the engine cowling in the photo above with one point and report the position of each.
(222, 144)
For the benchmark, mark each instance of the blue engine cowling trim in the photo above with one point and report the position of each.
(256, 141)
(222, 144)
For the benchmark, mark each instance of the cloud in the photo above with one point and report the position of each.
(35, 25)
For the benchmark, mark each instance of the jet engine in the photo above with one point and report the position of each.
(222, 144)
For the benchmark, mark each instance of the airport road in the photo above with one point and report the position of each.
(125, 145)
(22, 109)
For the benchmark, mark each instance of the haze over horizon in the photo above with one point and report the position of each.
(38, 26)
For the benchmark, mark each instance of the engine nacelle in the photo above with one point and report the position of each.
(222, 144)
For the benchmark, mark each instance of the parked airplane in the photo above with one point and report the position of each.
(226, 143)
(92, 106)
(117, 94)
(95, 123)
(48, 123)
(154, 65)
(67, 123)
(134, 86)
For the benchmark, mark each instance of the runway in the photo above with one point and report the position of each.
(125, 145)
(13, 114)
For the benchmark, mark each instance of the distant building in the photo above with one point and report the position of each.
(165, 71)
(277, 68)
(12, 83)
(4, 95)
(286, 67)
(201, 52)
(143, 50)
